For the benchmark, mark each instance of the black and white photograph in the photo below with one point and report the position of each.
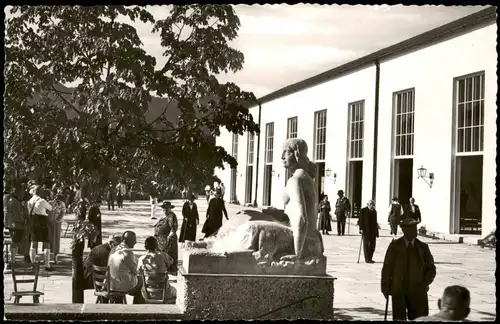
(249, 162)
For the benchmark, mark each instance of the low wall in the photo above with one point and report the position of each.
(88, 312)
(250, 296)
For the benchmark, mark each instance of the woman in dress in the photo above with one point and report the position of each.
(96, 220)
(324, 217)
(155, 263)
(165, 233)
(56, 217)
(215, 210)
(190, 221)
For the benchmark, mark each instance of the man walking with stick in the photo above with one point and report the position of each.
(368, 228)
(407, 273)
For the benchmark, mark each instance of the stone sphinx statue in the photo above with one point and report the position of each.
(279, 238)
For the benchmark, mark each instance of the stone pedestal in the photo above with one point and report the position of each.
(254, 296)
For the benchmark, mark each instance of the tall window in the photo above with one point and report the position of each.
(269, 142)
(356, 125)
(405, 122)
(291, 130)
(235, 146)
(470, 113)
(319, 135)
(250, 150)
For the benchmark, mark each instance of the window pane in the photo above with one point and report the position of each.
(411, 101)
(461, 91)
(468, 139)
(476, 109)
(404, 123)
(398, 103)
(404, 102)
(362, 109)
(481, 119)
(398, 125)
(409, 144)
(398, 145)
(477, 87)
(460, 117)
(468, 89)
(476, 138)
(460, 140)
(468, 114)
(362, 130)
(360, 149)
(481, 138)
(403, 144)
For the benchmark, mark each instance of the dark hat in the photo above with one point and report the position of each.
(340, 192)
(167, 204)
(395, 199)
(408, 222)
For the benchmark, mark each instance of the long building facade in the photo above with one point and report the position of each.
(417, 119)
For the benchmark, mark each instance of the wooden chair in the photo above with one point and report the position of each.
(154, 288)
(69, 222)
(100, 276)
(33, 270)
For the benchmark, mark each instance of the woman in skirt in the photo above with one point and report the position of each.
(39, 210)
(166, 234)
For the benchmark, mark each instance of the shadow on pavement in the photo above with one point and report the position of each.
(349, 314)
(448, 263)
(487, 316)
(443, 242)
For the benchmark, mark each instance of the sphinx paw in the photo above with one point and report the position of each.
(291, 258)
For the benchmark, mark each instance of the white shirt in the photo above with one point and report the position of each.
(122, 269)
(122, 189)
(42, 207)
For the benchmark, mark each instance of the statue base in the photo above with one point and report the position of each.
(213, 296)
(202, 260)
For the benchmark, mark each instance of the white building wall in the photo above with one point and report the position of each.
(431, 72)
(334, 96)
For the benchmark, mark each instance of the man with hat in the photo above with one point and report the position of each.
(395, 213)
(342, 209)
(99, 256)
(407, 273)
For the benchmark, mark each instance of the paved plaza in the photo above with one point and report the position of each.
(357, 289)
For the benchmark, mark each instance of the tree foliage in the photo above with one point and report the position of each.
(99, 128)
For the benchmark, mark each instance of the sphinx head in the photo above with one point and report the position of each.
(294, 153)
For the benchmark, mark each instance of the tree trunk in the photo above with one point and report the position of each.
(77, 272)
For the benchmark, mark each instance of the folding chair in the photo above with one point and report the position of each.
(154, 288)
(32, 270)
(100, 276)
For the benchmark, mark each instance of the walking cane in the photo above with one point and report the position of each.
(386, 308)
(360, 244)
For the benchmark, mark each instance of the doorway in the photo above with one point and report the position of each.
(268, 179)
(232, 193)
(403, 180)
(249, 183)
(320, 177)
(355, 186)
(469, 193)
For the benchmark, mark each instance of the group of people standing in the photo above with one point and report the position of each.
(34, 216)
(118, 192)
(342, 210)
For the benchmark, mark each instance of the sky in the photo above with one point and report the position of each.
(284, 44)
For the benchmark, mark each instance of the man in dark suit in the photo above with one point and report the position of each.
(413, 211)
(368, 227)
(407, 272)
(98, 256)
(342, 210)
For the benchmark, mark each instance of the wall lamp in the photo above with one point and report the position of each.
(422, 173)
(328, 173)
(274, 173)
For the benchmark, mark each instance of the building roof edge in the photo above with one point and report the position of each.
(487, 15)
